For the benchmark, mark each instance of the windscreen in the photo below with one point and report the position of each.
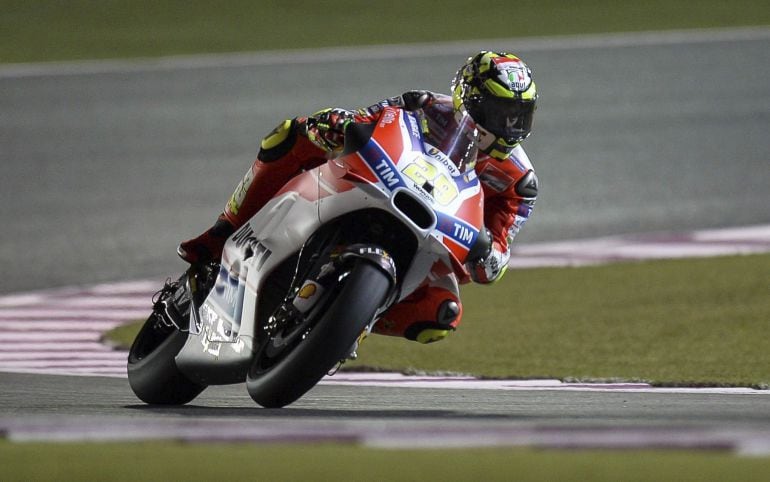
(452, 133)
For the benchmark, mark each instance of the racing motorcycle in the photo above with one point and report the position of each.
(309, 275)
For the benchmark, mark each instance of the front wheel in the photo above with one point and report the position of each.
(279, 377)
(152, 371)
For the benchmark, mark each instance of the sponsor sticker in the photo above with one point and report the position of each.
(513, 74)
(307, 296)
(495, 178)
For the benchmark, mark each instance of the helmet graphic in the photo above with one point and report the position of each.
(497, 90)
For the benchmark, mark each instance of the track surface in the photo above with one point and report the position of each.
(105, 172)
(40, 407)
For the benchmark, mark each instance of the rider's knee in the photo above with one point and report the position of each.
(278, 142)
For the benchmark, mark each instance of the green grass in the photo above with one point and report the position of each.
(43, 30)
(670, 322)
(176, 461)
(683, 322)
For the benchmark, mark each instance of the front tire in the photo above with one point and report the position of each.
(152, 371)
(274, 383)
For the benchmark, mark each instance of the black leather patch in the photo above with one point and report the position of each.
(527, 185)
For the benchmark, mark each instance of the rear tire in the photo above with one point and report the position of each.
(274, 383)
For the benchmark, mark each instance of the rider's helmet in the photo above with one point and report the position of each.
(497, 90)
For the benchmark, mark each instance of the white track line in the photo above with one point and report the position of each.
(65, 326)
(470, 383)
(732, 241)
(384, 52)
(85, 312)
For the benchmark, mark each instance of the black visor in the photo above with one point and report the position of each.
(506, 118)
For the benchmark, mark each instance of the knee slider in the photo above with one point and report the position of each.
(447, 318)
(447, 314)
(431, 335)
(278, 142)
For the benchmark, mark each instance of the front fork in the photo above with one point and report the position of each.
(199, 281)
(337, 268)
(308, 297)
(380, 258)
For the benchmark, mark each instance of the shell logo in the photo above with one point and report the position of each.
(307, 291)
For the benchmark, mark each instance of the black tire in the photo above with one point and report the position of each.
(152, 371)
(332, 335)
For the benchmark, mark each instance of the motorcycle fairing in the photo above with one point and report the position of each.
(220, 349)
(420, 167)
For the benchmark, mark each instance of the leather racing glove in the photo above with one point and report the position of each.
(326, 128)
(416, 99)
(491, 266)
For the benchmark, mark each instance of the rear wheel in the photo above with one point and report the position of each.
(299, 353)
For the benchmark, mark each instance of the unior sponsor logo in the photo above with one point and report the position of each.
(439, 156)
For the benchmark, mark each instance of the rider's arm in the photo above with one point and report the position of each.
(410, 100)
(326, 128)
(510, 190)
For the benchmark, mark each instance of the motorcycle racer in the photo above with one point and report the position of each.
(497, 91)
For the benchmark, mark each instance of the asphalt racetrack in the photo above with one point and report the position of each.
(44, 407)
(106, 166)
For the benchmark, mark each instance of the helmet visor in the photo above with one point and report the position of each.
(506, 118)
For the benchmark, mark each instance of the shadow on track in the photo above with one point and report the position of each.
(197, 411)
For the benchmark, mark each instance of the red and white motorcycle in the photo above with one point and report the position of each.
(312, 271)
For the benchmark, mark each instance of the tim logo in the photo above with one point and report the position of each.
(463, 234)
(386, 173)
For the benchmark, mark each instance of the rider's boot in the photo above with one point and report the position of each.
(207, 246)
(282, 155)
(427, 315)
